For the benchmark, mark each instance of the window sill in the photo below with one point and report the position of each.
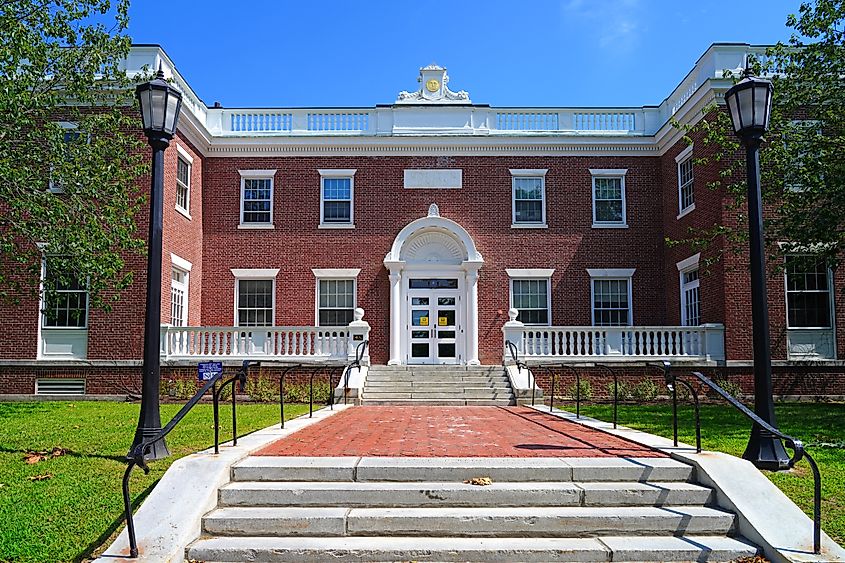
(258, 226)
(686, 211)
(70, 328)
(529, 226)
(184, 212)
(336, 226)
(610, 225)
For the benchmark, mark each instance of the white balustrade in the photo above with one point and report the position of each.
(527, 121)
(260, 122)
(338, 121)
(302, 343)
(580, 343)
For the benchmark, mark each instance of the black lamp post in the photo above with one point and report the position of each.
(160, 105)
(750, 104)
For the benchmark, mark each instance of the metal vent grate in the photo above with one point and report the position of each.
(60, 387)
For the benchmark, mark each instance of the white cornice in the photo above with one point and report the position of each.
(530, 272)
(611, 272)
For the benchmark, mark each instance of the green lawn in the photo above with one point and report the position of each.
(820, 426)
(68, 515)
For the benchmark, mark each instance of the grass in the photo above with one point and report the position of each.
(78, 507)
(820, 426)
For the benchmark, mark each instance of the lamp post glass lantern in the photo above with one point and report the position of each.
(160, 105)
(750, 103)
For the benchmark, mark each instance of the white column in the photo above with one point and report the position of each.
(395, 316)
(472, 318)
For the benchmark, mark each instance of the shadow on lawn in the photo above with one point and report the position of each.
(118, 458)
(110, 533)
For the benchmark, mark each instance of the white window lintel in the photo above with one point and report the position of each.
(337, 172)
(689, 263)
(529, 171)
(336, 272)
(530, 272)
(608, 171)
(257, 173)
(184, 154)
(180, 262)
(254, 273)
(684, 154)
(611, 272)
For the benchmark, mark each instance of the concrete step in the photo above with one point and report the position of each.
(488, 521)
(440, 402)
(422, 494)
(397, 469)
(455, 394)
(437, 379)
(308, 550)
(434, 388)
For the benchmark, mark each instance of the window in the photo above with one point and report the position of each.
(336, 302)
(255, 302)
(531, 299)
(178, 297)
(801, 137)
(67, 305)
(183, 184)
(609, 198)
(529, 198)
(686, 179)
(337, 189)
(691, 311)
(611, 296)
(808, 297)
(257, 198)
(70, 135)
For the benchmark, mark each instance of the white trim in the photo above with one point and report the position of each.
(257, 173)
(336, 272)
(340, 277)
(689, 263)
(611, 272)
(254, 273)
(548, 281)
(336, 172)
(238, 280)
(184, 154)
(630, 282)
(609, 173)
(184, 286)
(180, 262)
(684, 154)
(686, 211)
(529, 172)
(530, 272)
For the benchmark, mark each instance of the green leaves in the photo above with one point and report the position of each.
(70, 154)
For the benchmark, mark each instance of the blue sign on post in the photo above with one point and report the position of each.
(207, 370)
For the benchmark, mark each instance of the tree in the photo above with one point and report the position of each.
(803, 158)
(70, 155)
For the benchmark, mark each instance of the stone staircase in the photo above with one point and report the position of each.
(437, 385)
(422, 509)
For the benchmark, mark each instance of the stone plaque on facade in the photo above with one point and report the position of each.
(433, 179)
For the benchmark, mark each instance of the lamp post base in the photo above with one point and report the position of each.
(766, 451)
(159, 449)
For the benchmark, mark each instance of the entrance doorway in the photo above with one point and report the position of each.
(434, 321)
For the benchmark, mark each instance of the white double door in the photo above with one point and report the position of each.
(434, 322)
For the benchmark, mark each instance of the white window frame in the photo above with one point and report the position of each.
(684, 157)
(685, 266)
(610, 173)
(338, 274)
(830, 300)
(42, 304)
(53, 186)
(179, 263)
(257, 175)
(189, 160)
(626, 274)
(256, 274)
(529, 274)
(342, 173)
(528, 173)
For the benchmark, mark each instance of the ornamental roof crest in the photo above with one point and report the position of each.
(433, 89)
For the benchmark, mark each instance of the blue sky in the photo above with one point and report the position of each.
(255, 53)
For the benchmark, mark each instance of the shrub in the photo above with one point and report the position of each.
(623, 391)
(733, 388)
(299, 392)
(586, 390)
(181, 388)
(262, 389)
(645, 391)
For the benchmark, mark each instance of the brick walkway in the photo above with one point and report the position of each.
(451, 432)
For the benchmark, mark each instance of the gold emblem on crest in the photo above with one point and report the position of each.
(432, 85)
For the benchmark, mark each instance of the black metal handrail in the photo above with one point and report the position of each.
(520, 365)
(797, 447)
(360, 350)
(552, 371)
(312, 370)
(137, 456)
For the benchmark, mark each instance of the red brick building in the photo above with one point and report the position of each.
(437, 216)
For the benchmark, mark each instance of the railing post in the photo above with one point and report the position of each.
(359, 331)
(613, 341)
(512, 332)
(164, 352)
(713, 345)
